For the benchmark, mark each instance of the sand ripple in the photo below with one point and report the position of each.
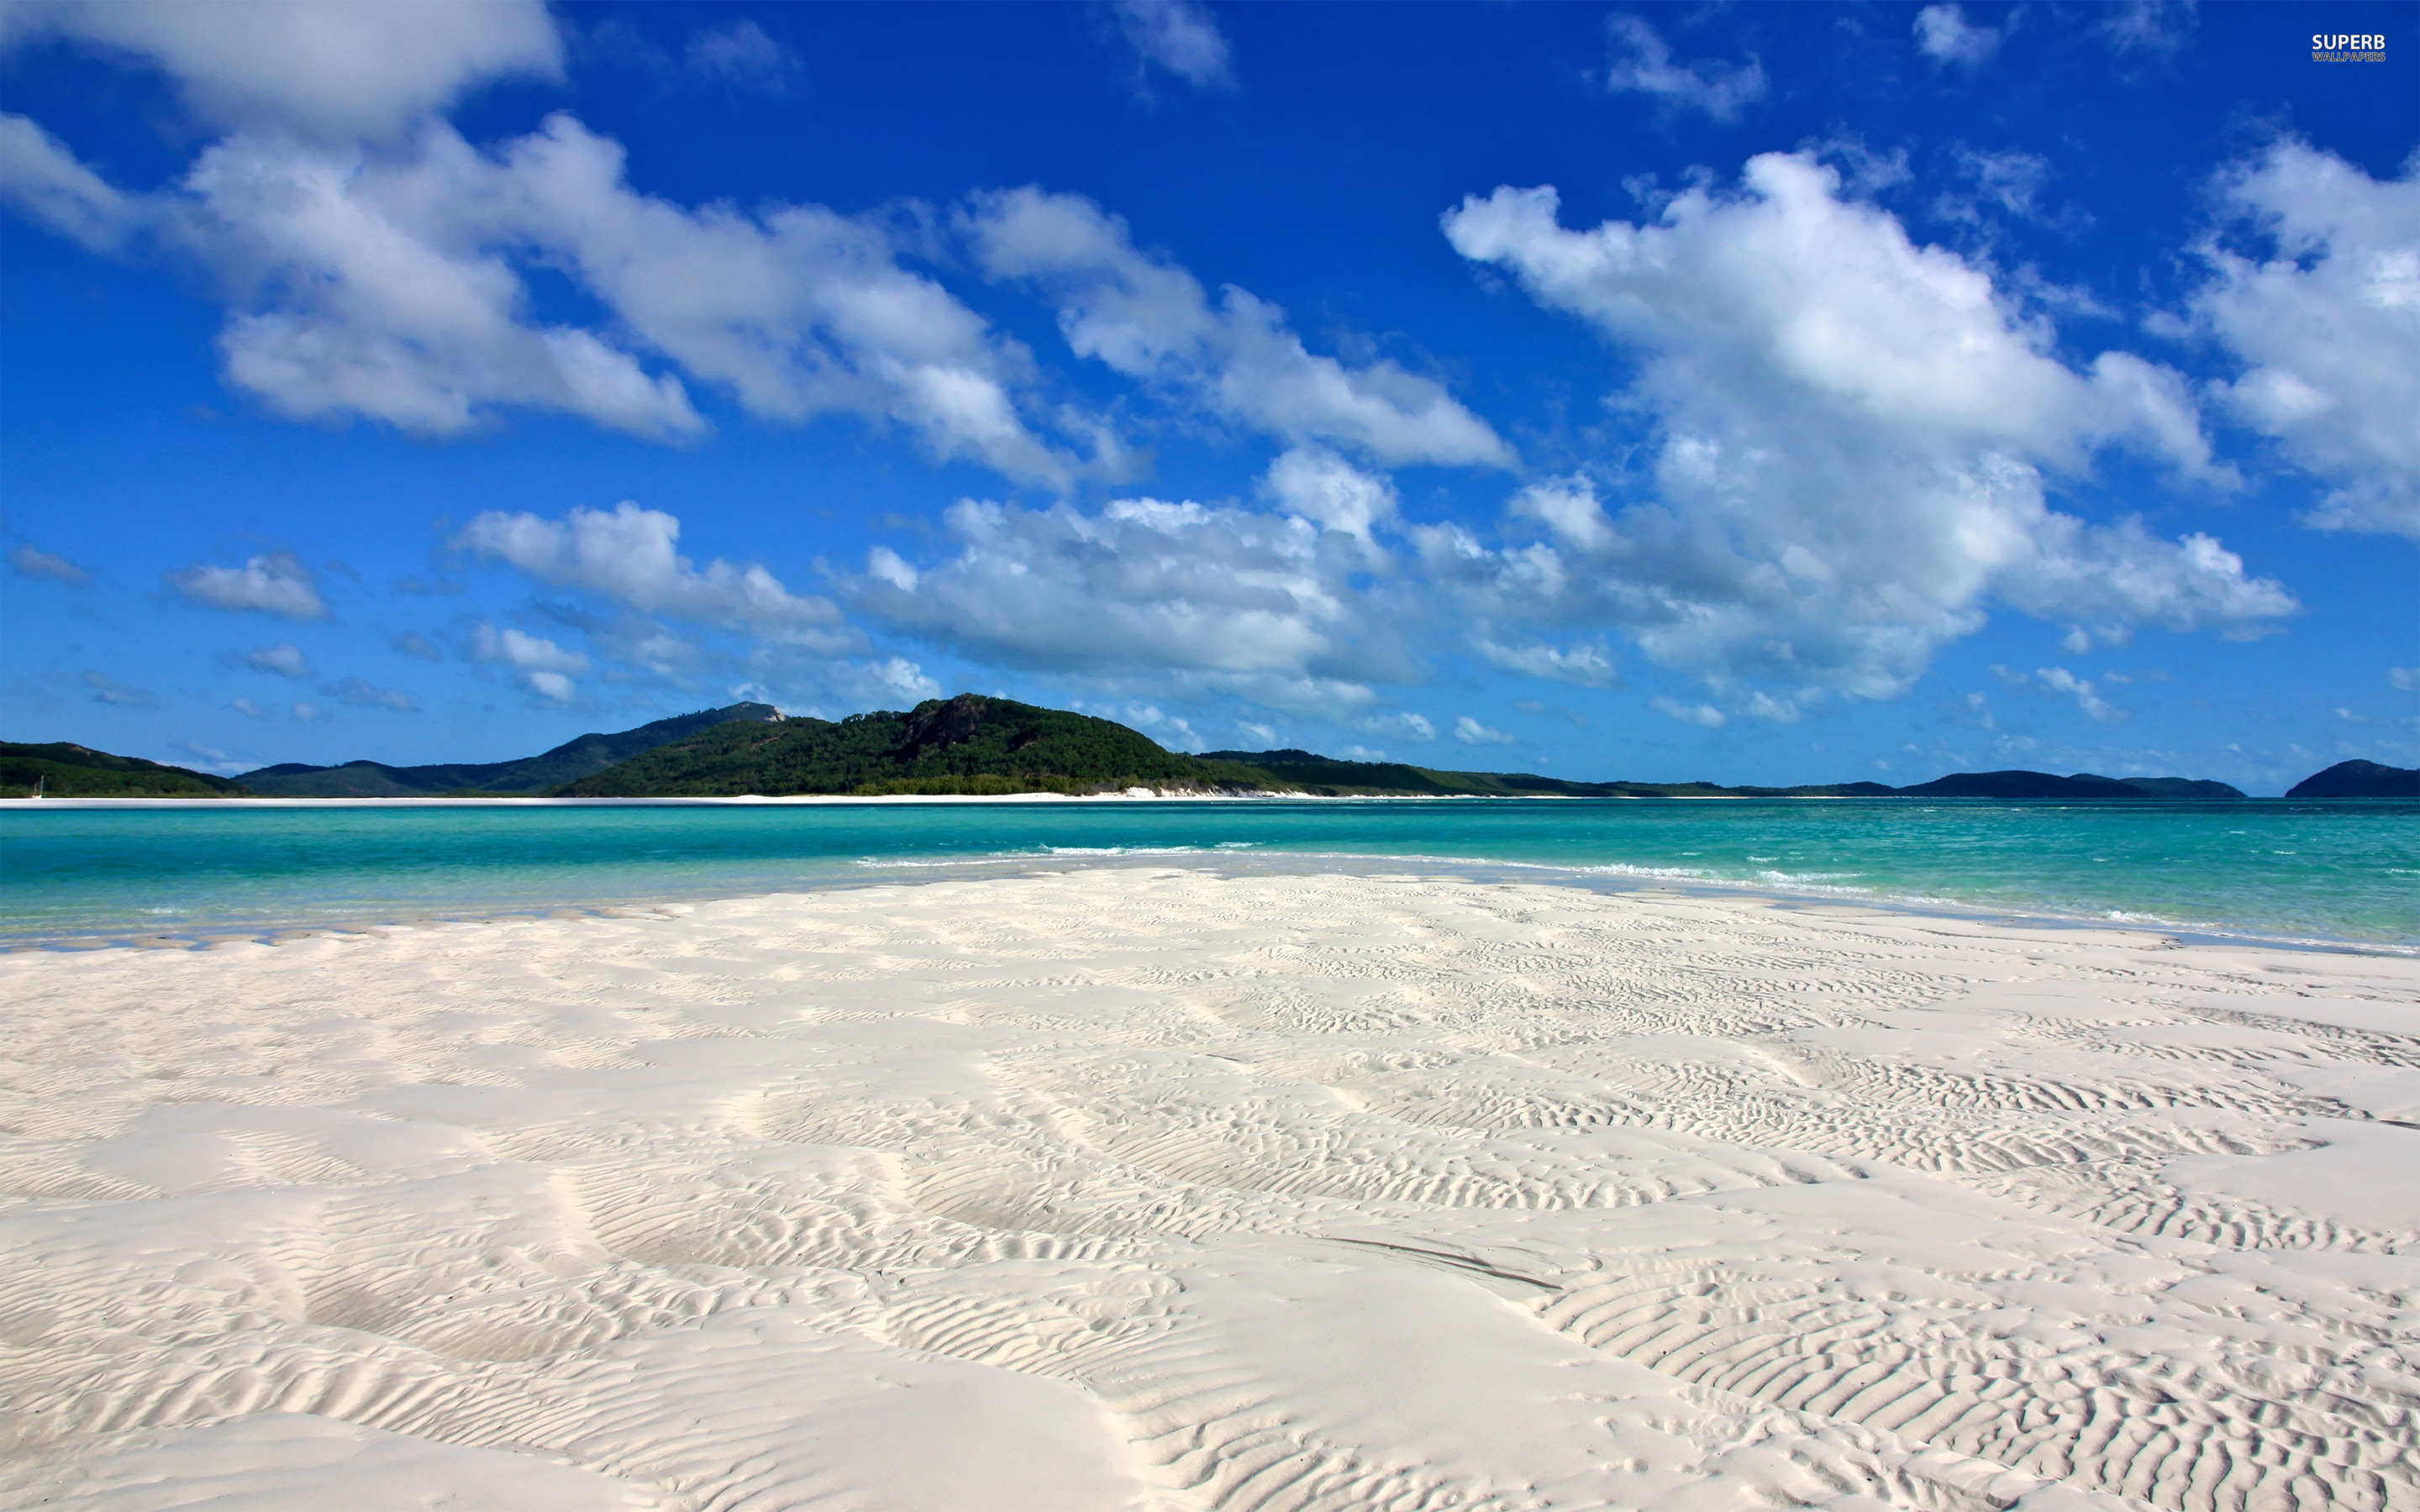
(1151, 1190)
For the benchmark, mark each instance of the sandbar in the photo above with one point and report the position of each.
(1155, 1189)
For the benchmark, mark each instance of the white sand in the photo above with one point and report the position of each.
(1125, 1189)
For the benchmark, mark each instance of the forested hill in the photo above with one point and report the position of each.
(1308, 772)
(966, 744)
(63, 770)
(529, 776)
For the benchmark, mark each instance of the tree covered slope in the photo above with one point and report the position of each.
(966, 744)
(69, 771)
(530, 775)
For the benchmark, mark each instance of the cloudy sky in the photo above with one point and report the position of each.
(1761, 394)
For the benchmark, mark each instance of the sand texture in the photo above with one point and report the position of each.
(1155, 1190)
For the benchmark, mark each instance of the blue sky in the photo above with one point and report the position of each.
(1777, 393)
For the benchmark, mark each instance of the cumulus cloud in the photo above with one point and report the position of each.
(1946, 37)
(544, 668)
(412, 643)
(361, 694)
(275, 582)
(1402, 723)
(629, 556)
(1642, 63)
(1312, 483)
(1854, 442)
(1585, 665)
(1178, 36)
(1704, 715)
(28, 561)
(1254, 603)
(283, 659)
(1150, 320)
(2060, 680)
(2326, 317)
(327, 70)
(2407, 679)
(522, 652)
(392, 287)
(1471, 732)
(109, 690)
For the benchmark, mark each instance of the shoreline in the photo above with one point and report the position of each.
(1229, 865)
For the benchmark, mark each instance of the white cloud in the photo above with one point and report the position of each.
(1854, 439)
(2405, 678)
(629, 555)
(1266, 735)
(1402, 723)
(554, 688)
(1471, 732)
(248, 708)
(275, 582)
(1179, 36)
(361, 694)
(306, 712)
(1704, 715)
(1252, 602)
(1150, 320)
(2060, 680)
(327, 70)
(45, 182)
(741, 53)
(2161, 26)
(412, 643)
(33, 562)
(1167, 729)
(2327, 321)
(522, 652)
(392, 287)
(1313, 483)
(283, 659)
(544, 668)
(1947, 36)
(1586, 665)
(109, 690)
(894, 677)
(1642, 63)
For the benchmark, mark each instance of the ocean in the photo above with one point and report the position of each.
(2322, 872)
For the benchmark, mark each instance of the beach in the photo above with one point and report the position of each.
(1147, 1187)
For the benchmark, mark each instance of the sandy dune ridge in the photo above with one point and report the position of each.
(1153, 1189)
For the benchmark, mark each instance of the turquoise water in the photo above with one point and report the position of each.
(2345, 871)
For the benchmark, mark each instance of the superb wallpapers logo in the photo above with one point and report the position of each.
(2347, 47)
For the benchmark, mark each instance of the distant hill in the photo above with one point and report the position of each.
(69, 771)
(2080, 785)
(973, 744)
(528, 777)
(966, 744)
(1329, 776)
(2359, 779)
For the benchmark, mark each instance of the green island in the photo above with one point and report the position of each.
(974, 746)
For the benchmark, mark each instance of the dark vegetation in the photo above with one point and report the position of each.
(2081, 785)
(976, 746)
(69, 771)
(966, 744)
(1327, 776)
(2360, 780)
(529, 776)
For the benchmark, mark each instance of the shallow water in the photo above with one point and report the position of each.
(2345, 871)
